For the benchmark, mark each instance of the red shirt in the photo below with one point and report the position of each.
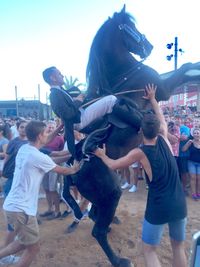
(56, 144)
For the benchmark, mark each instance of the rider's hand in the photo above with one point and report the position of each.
(150, 91)
(80, 97)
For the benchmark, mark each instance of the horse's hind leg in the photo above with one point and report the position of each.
(105, 214)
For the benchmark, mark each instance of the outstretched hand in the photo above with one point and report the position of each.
(100, 152)
(75, 167)
(150, 91)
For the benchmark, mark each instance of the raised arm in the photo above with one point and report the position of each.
(123, 162)
(187, 145)
(150, 90)
(54, 133)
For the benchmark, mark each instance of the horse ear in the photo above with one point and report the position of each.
(123, 9)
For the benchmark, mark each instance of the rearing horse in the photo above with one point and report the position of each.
(113, 69)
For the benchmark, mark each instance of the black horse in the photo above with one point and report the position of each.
(112, 69)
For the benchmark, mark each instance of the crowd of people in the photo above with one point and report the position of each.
(32, 149)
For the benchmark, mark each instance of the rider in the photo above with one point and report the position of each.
(69, 109)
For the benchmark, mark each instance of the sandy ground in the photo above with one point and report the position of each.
(80, 248)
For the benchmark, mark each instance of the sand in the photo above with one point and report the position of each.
(81, 249)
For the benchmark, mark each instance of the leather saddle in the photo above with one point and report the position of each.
(125, 114)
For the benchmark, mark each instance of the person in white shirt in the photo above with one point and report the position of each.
(21, 204)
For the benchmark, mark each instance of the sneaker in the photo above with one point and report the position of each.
(72, 227)
(54, 216)
(125, 186)
(46, 213)
(9, 260)
(133, 189)
(116, 220)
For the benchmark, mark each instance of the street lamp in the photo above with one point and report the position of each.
(176, 50)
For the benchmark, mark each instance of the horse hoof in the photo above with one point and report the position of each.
(109, 229)
(71, 228)
(116, 220)
(125, 263)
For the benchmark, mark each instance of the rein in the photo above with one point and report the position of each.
(128, 74)
(120, 93)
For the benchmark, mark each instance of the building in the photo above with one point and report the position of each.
(25, 108)
(187, 95)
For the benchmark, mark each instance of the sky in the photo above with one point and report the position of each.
(36, 34)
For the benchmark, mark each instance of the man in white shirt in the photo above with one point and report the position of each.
(20, 206)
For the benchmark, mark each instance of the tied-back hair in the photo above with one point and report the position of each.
(150, 126)
(47, 74)
(33, 129)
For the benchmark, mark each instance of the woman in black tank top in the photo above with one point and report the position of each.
(193, 145)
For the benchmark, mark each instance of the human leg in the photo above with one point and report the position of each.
(179, 257)
(11, 248)
(150, 256)
(27, 231)
(28, 255)
(177, 237)
(55, 198)
(151, 236)
(193, 179)
(30, 251)
(184, 174)
(125, 174)
(134, 177)
(198, 179)
(96, 110)
(10, 236)
(193, 185)
(45, 184)
(53, 195)
(49, 201)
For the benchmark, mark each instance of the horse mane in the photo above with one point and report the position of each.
(96, 71)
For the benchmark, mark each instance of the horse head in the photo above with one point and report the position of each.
(134, 41)
(111, 53)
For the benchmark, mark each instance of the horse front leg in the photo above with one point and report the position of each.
(176, 79)
(105, 214)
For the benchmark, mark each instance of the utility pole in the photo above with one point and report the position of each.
(176, 50)
(39, 92)
(16, 100)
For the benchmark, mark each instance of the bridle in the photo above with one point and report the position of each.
(127, 75)
(139, 38)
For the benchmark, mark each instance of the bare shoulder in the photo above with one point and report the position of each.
(136, 153)
(167, 141)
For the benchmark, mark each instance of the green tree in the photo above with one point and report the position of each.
(69, 82)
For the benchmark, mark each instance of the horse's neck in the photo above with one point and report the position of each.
(118, 66)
